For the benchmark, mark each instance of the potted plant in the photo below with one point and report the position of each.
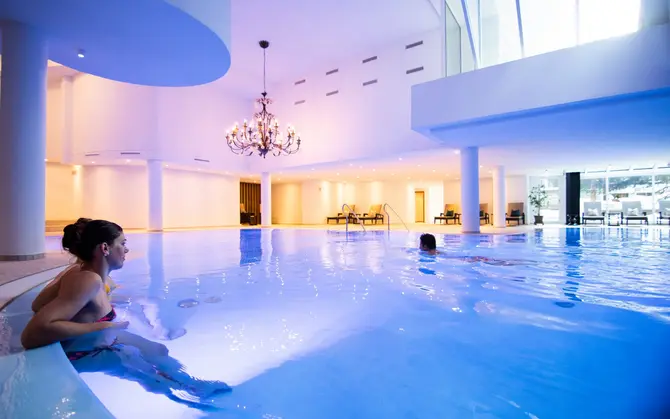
(538, 198)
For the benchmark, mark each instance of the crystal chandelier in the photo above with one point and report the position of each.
(263, 135)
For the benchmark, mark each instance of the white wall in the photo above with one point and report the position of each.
(116, 193)
(195, 199)
(120, 194)
(63, 189)
(111, 117)
(357, 122)
(54, 122)
(177, 125)
(286, 203)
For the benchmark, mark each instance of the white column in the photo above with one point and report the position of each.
(22, 142)
(67, 144)
(266, 199)
(155, 177)
(499, 197)
(470, 190)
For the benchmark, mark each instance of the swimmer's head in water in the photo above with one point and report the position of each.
(427, 242)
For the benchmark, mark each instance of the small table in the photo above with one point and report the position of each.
(618, 218)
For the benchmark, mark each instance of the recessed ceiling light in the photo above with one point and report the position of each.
(337, 174)
(351, 164)
(92, 162)
(457, 151)
(374, 170)
(400, 158)
(46, 159)
(80, 53)
(481, 167)
(433, 171)
(127, 160)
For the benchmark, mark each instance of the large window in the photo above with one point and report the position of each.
(630, 189)
(454, 41)
(499, 33)
(548, 25)
(592, 189)
(603, 19)
(495, 32)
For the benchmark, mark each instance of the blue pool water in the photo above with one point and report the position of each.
(312, 324)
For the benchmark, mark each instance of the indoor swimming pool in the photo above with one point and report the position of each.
(306, 324)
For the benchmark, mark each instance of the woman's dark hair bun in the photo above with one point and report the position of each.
(72, 235)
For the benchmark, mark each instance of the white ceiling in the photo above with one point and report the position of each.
(306, 35)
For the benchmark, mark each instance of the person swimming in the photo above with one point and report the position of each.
(428, 244)
(81, 317)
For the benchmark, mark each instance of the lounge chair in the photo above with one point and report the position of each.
(343, 215)
(374, 214)
(632, 210)
(593, 211)
(663, 211)
(450, 214)
(245, 217)
(484, 214)
(515, 212)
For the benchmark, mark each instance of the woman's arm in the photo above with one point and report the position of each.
(53, 323)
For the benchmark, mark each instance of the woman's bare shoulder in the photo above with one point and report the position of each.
(81, 279)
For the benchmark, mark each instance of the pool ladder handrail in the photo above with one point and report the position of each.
(346, 221)
(388, 217)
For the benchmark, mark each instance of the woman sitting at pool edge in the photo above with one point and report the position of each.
(81, 305)
(71, 236)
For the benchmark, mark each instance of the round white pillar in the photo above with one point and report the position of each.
(22, 142)
(499, 202)
(155, 178)
(266, 199)
(470, 189)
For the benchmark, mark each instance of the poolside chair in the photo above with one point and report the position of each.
(515, 212)
(374, 214)
(245, 217)
(484, 214)
(632, 210)
(663, 211)
(593, 211)
(344, 215)
(450, 214)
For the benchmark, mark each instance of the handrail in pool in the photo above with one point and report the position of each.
(388, 217)
(346, 221)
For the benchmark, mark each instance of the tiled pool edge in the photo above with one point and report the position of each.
(42, 382)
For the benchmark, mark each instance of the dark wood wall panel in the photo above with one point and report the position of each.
(250, 196)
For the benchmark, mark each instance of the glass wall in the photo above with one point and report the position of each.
(593, 189)
(612, 188)
(500, 32)
(453, 43)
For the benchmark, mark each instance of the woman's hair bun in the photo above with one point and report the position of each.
(72, 235)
